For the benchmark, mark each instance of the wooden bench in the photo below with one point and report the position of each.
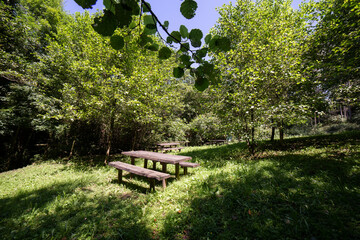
(150, 174)
(185, 165)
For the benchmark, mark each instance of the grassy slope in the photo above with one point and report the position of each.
(307, 188)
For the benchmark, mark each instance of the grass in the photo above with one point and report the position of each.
(305, 188)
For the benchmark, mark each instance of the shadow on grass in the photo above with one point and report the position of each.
(292, 196)
(69, 211)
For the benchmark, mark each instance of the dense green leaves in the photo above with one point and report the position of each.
(188, 8)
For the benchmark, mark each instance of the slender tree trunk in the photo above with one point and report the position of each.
(110, 135)
(281, 131)
(72, 150)
(272, 131)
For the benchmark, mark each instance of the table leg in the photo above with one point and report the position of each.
(177, 171)
(145, 163)
(152, 184)
(154, 165)
(164, 167)
(132, 160)
(120, 175)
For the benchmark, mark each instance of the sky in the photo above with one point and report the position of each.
(205, 18)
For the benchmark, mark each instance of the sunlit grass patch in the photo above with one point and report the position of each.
(306, 191)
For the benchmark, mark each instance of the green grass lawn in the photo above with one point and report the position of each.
(306, 188)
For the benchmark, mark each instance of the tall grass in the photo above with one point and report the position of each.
(306, 188)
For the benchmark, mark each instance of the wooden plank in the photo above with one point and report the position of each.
(140, 171)
(189, 164)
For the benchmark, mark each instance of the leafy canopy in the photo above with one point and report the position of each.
(120, 14)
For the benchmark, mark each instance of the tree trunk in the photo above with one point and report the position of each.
(110, 135)
(281, 131)
(72, 150)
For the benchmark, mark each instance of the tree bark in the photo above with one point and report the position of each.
(281, 131)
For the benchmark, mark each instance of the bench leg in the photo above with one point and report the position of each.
(145, 163)
(120, 175)
(154, 165)
(185, 170)
(177, 171)
(152, 184)
(164, 167)
(164, 183)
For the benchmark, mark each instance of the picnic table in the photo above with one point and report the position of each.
(163, 158)
(169, 146)
(217, 141)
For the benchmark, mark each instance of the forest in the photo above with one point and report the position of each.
(66, 91)
(280, 85)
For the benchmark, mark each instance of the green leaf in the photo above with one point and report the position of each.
(123, 15)
(201, 83)
(117, 42)
(144, 39)
(184, 31)
(207, 38)
(145, 8)
(195, 43)
(166, 24)
(185, 60)
(195, 37)
(105, 24)
(201, 53)
(220, 43)
(86, 3)
(178, 72)
(109, 5)
(169, 40)
(195, 34)
(149, 20)
(188, 8)
(153, 47)
(184, 47)
(164, 53)
(176, 35)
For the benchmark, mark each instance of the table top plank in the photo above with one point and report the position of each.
(159, 157)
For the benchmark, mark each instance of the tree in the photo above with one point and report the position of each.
(262, 69)
(125, 92)
(333, 55)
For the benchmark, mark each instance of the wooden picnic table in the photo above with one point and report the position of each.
(163, 158)
(169, 146)
(217, 141)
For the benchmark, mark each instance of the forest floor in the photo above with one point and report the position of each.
(305, 188)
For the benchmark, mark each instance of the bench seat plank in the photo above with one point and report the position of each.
(140, 171)
(185, 165)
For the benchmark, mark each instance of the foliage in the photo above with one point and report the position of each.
(333, 54)
(262, 82)
(123, 15)
(205, 127)
(306, 188)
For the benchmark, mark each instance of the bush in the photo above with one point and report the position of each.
(205, 127)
